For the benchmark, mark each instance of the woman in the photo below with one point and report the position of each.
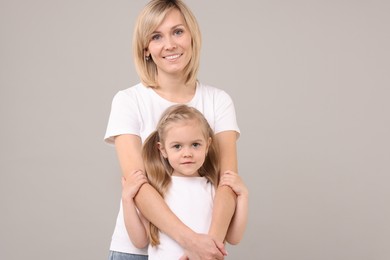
(166, 46)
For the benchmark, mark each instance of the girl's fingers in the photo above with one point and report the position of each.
(123, 181)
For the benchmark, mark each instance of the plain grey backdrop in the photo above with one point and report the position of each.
(311, 85)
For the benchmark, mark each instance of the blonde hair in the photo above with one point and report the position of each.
(158, 169)
(148, 20)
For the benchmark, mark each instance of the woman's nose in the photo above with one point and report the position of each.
(170, 43)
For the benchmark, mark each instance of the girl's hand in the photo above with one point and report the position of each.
(132, 183)
(234, 181)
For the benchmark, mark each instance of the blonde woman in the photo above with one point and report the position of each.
(166, 46)
(182, 164)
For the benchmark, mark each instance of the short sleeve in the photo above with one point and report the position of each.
(124, 117)
(225, 114)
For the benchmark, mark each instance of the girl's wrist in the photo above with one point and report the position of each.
(127, 200)
(243, 194)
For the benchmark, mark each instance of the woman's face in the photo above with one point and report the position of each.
(170, 45)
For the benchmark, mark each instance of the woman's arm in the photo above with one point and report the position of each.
(225, 198)
(237, 226)
(154, 208)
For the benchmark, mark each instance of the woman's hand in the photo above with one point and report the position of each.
(204, 247)
(132, 183)
(234, 181)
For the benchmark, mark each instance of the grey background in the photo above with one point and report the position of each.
(310, 80)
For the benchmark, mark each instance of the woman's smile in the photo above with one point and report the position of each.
(170, 45)
(172, 57)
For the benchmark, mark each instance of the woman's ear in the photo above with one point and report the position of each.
(162, 150)
(146, 53)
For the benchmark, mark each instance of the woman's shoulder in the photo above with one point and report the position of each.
(132, 93)
(212, 91)
(133, 89)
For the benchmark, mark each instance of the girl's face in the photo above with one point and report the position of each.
(170, 45)
(185, 147)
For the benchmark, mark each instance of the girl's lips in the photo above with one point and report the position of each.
(187, 162)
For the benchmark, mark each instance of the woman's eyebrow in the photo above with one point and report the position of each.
(172, 28)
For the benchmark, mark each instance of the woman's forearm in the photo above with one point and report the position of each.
(154, 209)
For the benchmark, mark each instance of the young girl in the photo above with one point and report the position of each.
(182, 164)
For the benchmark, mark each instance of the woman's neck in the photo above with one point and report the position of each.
(175, 89)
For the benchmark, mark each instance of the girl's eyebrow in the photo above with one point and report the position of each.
(193, 141)
(173, 143)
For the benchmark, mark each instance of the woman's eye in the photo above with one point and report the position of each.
(179, 32)
(156, 37)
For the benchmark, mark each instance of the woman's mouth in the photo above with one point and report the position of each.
(172, 57)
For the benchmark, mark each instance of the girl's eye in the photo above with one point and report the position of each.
(177, 146)
(196, 145)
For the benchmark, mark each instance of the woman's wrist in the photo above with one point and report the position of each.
(185, 238)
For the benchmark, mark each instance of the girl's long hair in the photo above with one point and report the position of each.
(158, 169)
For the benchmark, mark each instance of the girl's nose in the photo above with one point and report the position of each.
(187, 153)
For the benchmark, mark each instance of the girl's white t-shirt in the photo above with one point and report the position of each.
(138, 109)
(191, 199)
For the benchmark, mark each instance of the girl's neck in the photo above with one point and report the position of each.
(175, 89)
(195, 174)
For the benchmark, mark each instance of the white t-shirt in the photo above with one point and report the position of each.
(191, 199)
(138, 109)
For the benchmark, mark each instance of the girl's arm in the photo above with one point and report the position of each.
(225, 198)
(134, 225)
(154, 208)
(237, 226)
